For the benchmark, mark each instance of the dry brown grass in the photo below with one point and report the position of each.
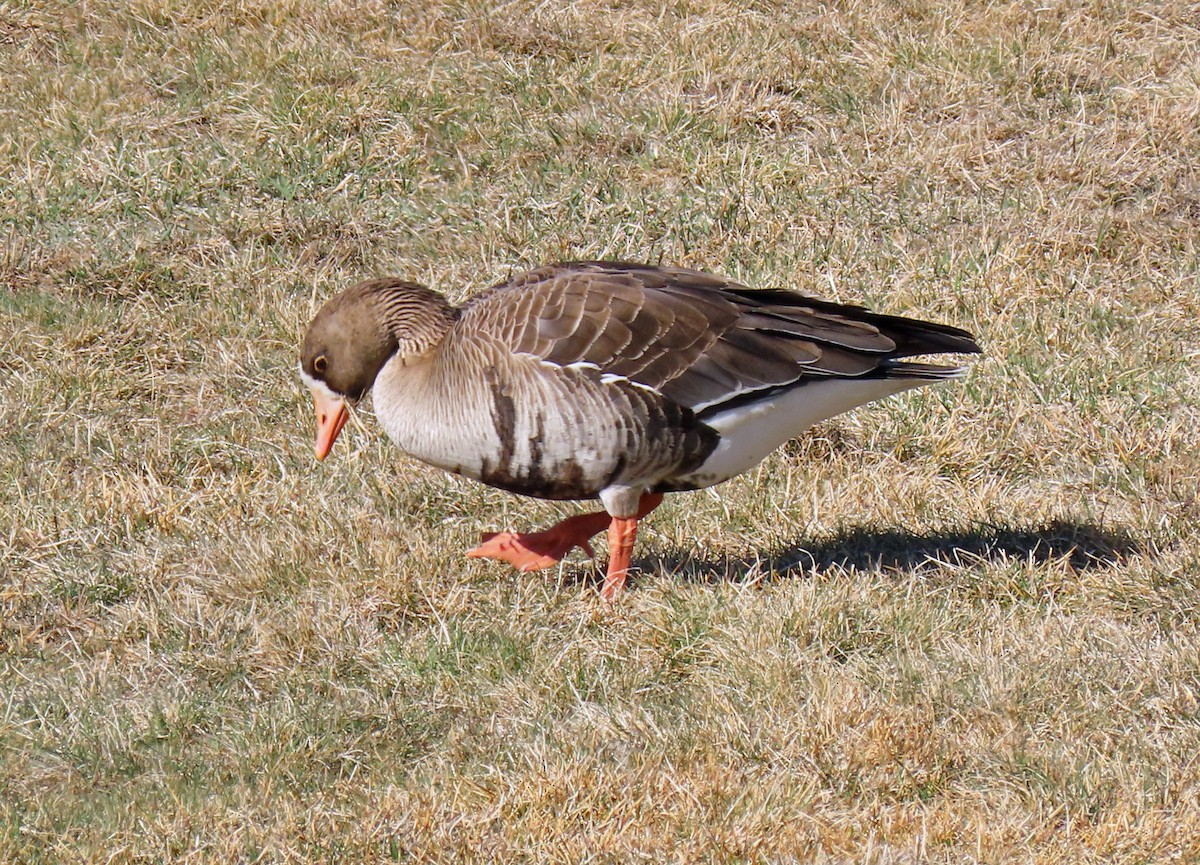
(958, 626)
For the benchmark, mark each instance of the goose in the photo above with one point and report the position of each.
(603, 379)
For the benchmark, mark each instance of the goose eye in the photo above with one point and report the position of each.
(321, 363)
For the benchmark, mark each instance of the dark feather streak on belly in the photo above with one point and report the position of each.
(504, 417)
(569, 481)
(568, 484)
(665, 424)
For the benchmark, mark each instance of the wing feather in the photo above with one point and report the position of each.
(697, 339)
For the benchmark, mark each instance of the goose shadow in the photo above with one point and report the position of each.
(1083, 546)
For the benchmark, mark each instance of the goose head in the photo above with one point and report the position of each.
(355, 334)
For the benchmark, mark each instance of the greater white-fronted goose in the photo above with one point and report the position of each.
(604, 379)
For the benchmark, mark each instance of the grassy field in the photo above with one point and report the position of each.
(957, 626)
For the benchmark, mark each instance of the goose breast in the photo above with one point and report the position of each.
(532, 426)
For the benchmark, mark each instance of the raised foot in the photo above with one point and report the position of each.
(532, 551)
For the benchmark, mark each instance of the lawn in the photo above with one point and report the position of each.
(959, 625)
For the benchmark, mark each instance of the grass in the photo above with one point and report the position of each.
(957, 626)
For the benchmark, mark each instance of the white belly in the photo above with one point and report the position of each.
(749, 433)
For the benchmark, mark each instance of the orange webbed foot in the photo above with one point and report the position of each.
(532, 551)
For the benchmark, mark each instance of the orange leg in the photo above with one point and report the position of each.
(533, 551)
(621, 535)
(622, 532)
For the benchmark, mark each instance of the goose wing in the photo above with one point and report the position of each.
(699, 340)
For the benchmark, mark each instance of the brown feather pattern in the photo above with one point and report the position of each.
(699, 340)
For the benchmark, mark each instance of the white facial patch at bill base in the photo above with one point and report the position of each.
(316, 386)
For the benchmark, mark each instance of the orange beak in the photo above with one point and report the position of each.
(332, 415)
